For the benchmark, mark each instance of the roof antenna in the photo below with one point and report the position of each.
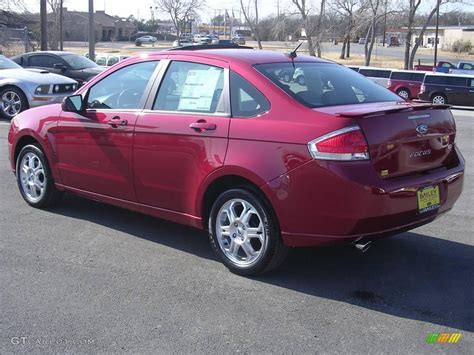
(292, 55)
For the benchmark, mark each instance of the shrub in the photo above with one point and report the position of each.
(461, 45)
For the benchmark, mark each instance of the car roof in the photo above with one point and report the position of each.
(59, 53)
(451, 75)
(375, 68)
(240, 55)
(408, 71)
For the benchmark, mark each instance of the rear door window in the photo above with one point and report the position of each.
(417, 77)
(435, 80)
(396, 75)
(456, 81)
(246, 100)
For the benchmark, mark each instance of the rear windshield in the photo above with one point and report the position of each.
(325, 84)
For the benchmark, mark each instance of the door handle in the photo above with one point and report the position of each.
(448, 89)
(117, 121)
(202, 125)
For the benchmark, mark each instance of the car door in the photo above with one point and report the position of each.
(456, 90)
(469, 100)
(46, 61)
(182, 135)
(95, 147)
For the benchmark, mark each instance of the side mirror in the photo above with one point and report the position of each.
(73, 103)
(59, 66)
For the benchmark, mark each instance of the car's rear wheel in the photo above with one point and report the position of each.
(439, 99)
(403, 93)
(12, 102)
(244, 233)
(34, 178)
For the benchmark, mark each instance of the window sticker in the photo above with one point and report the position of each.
(198, 90)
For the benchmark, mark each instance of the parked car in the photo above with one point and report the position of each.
(147, 39)
(406, 83)
(463, 68)
(212, 138)
(182, 42)
(76, 67)
(448, 89)
(354, 68)
(377, 75)
(239, 39)
(109, 59)
(21, 88)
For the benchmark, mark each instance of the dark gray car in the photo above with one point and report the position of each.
(74, 66)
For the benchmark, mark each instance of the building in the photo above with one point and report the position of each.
(447, 35)
(107, 27)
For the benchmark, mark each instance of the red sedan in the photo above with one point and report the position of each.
(215, 139)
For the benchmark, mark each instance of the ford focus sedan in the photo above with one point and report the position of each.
(217, 140)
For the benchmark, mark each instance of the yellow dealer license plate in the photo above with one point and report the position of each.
(428, 199)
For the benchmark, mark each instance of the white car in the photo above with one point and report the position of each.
(147, 39)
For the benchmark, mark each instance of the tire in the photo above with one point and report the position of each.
(12, 102)
(404, 93)
(439, 99)
(34, 178)
(245, 253)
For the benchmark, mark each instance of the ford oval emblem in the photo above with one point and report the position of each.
(422, 128)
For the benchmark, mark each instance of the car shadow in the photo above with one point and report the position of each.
(411, 275)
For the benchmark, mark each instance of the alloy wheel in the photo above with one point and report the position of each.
(11, 103)
(32, 177)
(403, 94)
(438, 99)
(240, 232)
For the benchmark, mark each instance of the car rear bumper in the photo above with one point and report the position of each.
(323, 203)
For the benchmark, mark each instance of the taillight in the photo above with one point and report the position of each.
(389, 83)
(344, 144)
(422, 88)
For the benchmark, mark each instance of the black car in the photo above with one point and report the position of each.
(448, 89)
(68, 64)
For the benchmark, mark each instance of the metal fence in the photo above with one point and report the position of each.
(15, 41)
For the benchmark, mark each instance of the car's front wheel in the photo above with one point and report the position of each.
(244, 233)
(12, 102)
(34, 178)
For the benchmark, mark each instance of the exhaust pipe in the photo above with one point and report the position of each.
(363, 245)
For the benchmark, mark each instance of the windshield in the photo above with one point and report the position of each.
(6, 63)
(77, 62)
(325, 84)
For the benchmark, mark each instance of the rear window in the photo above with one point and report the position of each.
(396, 75)
(325, 84)
(375, 73)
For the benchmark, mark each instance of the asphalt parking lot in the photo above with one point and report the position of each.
(86, 277)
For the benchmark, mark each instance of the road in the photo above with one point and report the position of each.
(86, 277)
(425, 55)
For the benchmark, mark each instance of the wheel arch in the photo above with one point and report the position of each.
(218, 183)
(15, 85)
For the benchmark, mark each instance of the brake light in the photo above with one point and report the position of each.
(344, 144)
(422, 88)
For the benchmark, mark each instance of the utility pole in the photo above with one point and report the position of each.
(43, 26)
(436, 33)
(61, 44)
(91, 31)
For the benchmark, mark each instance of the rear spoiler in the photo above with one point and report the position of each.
(367, 112)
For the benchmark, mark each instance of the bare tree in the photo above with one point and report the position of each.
(252, 22)
(53, 33)
(351, 10)
(374, 6)
(312, 28)
(179, 11)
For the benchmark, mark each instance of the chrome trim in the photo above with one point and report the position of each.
(419, 117)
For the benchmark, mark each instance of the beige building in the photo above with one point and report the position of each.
(447, 35)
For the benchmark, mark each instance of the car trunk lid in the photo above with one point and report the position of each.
(405, 137)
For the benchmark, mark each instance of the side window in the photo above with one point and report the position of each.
(191, 87)
(123, 89)
(101, 60)
(44, 61)
(245, 99)
(112, 60)
(456, 81)
(471, 83)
